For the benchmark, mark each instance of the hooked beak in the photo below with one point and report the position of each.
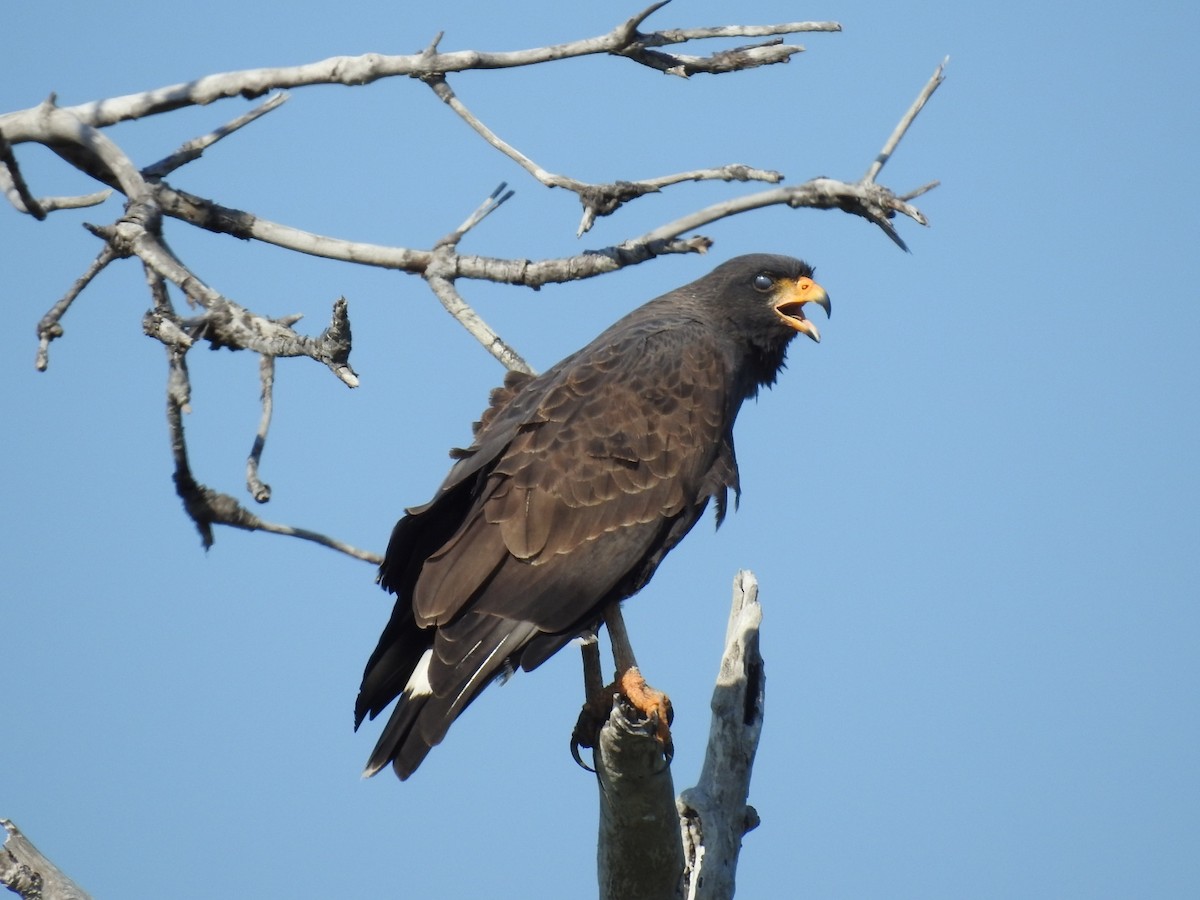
(791, 299)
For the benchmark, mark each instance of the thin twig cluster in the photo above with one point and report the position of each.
(76, 134)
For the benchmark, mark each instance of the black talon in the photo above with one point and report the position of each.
(575, 745)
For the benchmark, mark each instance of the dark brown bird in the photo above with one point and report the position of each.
(577, 484)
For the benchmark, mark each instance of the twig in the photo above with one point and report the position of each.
(437, 82)
(441, 273)
(206, 507)
(597, 199)
(871, 201)
(917, 192)
(77, 201)
(22, 199)
(258, 490)
(305, 535)
(16, 188)
(50, 325)
(902, 126)
(163, 325)
(682, 35)
(635, 46)
(225, 323)
(194, 148)
(735, 60)
(491, 203)
(443, 288)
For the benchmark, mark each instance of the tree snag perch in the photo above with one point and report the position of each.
(655, 847)
(639, 853)
(28, 874)
(714, 813)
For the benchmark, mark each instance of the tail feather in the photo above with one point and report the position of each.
(442, 684)
(395, 746)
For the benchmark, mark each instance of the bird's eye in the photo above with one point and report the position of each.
(763, 282)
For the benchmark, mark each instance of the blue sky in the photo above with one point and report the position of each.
(972, 508)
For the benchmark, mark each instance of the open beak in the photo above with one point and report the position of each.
(790, 302)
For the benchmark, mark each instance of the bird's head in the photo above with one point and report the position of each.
(758, 300)
(763, 296)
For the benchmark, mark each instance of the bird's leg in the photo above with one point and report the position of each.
(622, 649)
(597, 700)
(654, 705)
(593, 677)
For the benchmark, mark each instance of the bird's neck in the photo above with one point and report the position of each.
(762, 366)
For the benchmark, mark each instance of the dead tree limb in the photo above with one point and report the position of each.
(28, 874)
(639, 853)
(77, 134)
(652, 845)
(714, 814)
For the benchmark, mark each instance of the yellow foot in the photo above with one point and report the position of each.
(654, 706)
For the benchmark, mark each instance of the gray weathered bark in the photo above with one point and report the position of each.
(25, 872)
(714, 813)
(653, 846)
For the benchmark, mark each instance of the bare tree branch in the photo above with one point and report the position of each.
(207, 507)
(623, 40)
(50, 326)
(204, 506)
(768, 53)
(597, 199)
(639, 853)
(714, 813)
(27, 873)
(225, 323)
(491, 203)
(74, 133)
(260, 491)
(904, 124)
(443, 288)
(14, 183)
(195, 148)
(440, 275)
